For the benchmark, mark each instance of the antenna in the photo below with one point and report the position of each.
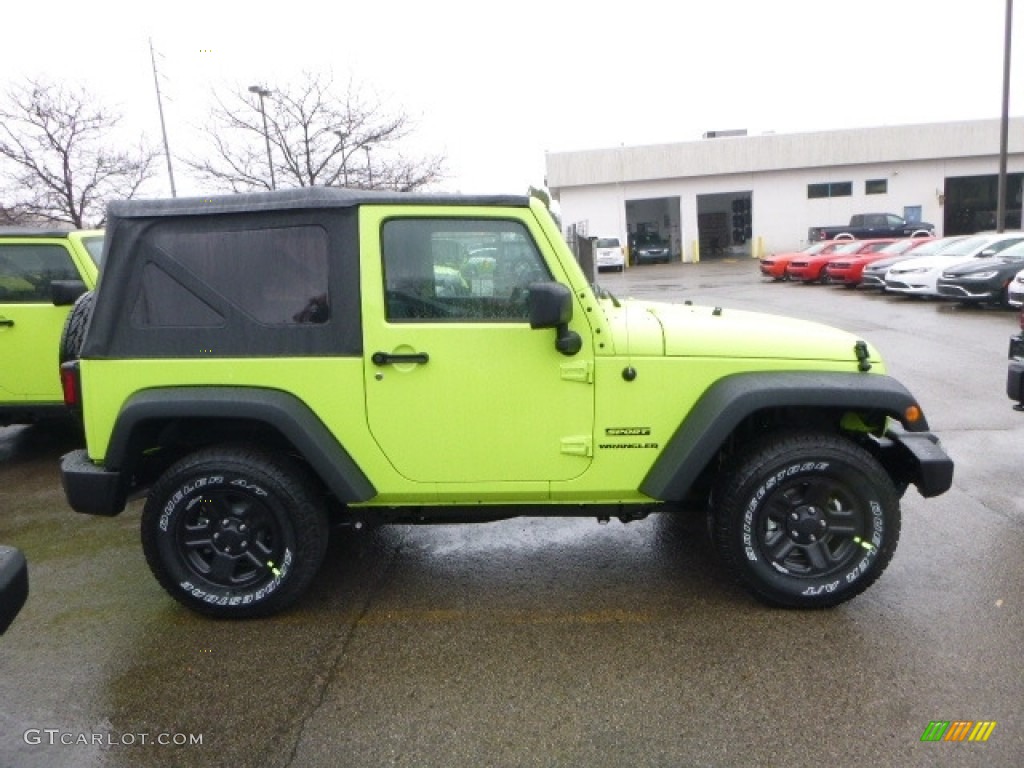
(163, 127)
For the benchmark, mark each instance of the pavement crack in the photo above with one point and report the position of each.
(341, 643)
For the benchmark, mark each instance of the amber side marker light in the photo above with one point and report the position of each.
(912, 414)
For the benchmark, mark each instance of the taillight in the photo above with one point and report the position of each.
(71, 383)
(1021, 318)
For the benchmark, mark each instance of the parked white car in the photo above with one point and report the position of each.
(608, 254)
(1015, 291)
(918, 276)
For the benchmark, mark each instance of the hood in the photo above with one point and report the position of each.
(984, 265)
(938, 261)
(680, 330)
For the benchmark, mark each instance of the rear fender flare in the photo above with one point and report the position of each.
(279, 410)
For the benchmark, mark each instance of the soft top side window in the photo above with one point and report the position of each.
(277, 276)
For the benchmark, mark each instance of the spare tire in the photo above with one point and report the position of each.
(74, 327)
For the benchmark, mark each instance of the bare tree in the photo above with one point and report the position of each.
(316, 138)
(55, 157)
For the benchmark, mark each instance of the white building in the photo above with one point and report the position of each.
(753, 195)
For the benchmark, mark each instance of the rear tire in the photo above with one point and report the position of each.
(806, 519)
(234, 532)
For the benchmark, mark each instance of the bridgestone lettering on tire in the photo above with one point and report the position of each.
(806, 519)
(235, 532)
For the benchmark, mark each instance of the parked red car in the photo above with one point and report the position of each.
(849, 271)
(774, 266)
(811, 270)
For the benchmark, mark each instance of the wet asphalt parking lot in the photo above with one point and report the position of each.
(534, 642)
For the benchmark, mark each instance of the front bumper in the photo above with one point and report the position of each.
(978, 291)
(869, 280)
(90, 488)
(1015, 370)
(926, 464)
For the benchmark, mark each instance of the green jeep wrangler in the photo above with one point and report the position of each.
(263, 366)
(42, 273)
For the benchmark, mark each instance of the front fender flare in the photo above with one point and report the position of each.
(730, 400)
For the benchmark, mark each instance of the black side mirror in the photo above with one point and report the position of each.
(64, 293)
(551, 307)
(13, 585)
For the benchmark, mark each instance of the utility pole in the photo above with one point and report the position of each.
(344, 166)
(261, 92)
(163, 127)
(1004, 125)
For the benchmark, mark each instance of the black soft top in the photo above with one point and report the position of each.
(232, 275)
(33, 232)
(293, 199)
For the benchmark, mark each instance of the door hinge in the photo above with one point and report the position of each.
(582, 445)
(581, 371)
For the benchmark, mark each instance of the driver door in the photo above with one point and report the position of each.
(459, 388)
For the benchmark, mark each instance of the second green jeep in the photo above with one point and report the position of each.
(42, 272)
(261, 367)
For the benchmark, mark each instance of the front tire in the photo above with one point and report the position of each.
(806, 519)
(235, 532)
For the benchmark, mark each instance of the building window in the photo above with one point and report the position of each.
(876, 186)
(833, 189)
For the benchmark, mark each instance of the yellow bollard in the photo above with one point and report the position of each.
(696, 251)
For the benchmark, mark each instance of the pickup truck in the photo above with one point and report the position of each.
(872, 225)
(261, 368)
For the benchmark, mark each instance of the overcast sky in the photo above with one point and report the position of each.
(495, 85)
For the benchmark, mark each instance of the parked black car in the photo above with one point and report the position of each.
(984, 280)
(650, 249)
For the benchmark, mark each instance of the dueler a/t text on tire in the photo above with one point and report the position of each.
(806, 519)
(235, 532)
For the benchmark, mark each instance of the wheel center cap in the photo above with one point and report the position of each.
(231, 537)
(806, 524)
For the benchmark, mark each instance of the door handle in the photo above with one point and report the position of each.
(6, 322)
(385, 358)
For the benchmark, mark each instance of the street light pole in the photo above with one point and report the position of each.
(1004, 127)
(261, 92)
(369, 168)
(344, 165)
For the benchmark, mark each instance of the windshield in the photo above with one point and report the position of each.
(1014, 253)
(851, 247)
(818, 247)
(607, 242)
(899, 246)
(967, 246)
(935, 246)
(94, 245)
